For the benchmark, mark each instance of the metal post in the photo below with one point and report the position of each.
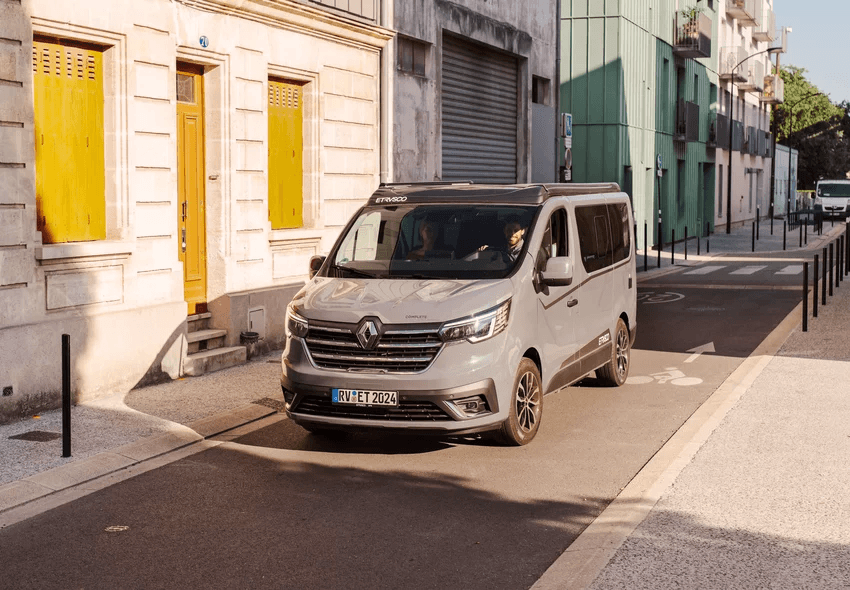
(686, 242)
(805, 297)
(806, 233)
(659, 242)
(758, 221)
(831, 253)
(673, 246)
(815, 288)
(707, 234)
(645, 247)
(823, 282)
(784, 232)
(754, 236)
(800, 225)
(66, 395)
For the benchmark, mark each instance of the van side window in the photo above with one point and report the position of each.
(554, 241)
(620, 234)
(594, 236)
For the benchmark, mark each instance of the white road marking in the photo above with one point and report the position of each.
(748, 270)
(791, 269)
(704, 270)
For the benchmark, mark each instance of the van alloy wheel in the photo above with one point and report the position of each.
(526, 406)
(616, 371)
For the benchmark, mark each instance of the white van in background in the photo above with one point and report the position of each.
(453, 308)
(832, 198)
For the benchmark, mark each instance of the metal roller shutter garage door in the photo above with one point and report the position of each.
(479, 102)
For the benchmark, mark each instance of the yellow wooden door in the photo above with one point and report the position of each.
(190, 191)
(69, 159)
(285, 154)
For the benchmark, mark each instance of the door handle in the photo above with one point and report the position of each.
(183, 231)
(572, 302)
(185, 206)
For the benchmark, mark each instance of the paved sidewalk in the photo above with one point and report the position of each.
(750, 492)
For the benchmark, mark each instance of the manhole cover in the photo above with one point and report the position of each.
(274, 404)
(37, 436)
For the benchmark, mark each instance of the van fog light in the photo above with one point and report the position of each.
(471, 406)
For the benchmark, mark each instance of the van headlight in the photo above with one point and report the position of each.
(479, 327)
(295, 324)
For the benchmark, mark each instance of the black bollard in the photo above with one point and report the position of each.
(815, 288)
(659, 242)
(805, 297)
(673, 246)
(806, 233)
(754, 236)
(800, 225)
(66, 395)
(823, 281)
(831, 259)
(784, 232)
(645, 247)
(686, 242)
(758, 221)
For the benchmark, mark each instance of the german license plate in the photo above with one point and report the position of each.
(364, 397)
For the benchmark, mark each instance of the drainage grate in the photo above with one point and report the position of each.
(37, 436)
(274, 404)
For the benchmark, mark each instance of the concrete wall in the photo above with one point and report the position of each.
(525, 30)
(121, 299)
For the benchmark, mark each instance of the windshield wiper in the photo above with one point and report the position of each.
(355, 271)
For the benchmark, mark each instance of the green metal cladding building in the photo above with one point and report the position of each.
(640, 80)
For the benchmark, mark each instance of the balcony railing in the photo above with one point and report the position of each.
(779, 44)
(737, 136)
(729, 58)
(693, 36)
(754, 71)
(744, 11)
(766, 30)
(687, 121)
(774, 90)
(367, 9)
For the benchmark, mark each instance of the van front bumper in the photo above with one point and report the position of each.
(426, 401)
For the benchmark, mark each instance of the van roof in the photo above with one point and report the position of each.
(445, 192)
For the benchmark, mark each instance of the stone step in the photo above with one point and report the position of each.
(207, 361)
(205, 340)
(198, 321)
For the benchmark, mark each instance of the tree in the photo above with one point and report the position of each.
(803, 105)
(810, 123)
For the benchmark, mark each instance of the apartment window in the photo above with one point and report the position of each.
(540, 90)
(412, 56)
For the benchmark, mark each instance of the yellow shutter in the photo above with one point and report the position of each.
(69, 160)
(285, 158)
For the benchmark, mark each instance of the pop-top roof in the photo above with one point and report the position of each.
(527, 194)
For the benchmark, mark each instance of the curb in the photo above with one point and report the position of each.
(65, 477)
(583, 561)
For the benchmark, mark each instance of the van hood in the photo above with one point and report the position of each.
(396, 301)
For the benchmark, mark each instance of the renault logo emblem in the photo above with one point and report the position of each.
(367, 334)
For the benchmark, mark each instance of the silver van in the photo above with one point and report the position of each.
(454, 308)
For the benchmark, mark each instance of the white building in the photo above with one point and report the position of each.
(136, 187)
(747, 38)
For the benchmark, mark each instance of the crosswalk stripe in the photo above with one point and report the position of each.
(791, 269)
(748, 270)
(704, 270)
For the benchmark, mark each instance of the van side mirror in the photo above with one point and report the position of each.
(558, 272)
(316, 263)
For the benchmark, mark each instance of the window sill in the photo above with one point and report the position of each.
(82, 252)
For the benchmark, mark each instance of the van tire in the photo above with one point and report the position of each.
(616, 371)
(526, 406)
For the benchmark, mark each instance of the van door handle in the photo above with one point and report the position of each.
(572, 302)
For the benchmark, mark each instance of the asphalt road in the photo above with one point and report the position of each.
(281, 508)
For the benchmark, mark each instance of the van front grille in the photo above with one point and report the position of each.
(397, 351)
(405, 411)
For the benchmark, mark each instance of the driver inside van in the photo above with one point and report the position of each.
(514, 236)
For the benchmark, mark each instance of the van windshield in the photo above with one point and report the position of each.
(826, 189)
(433, 241)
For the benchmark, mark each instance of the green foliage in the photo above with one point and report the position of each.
(810, 123)
(691, 12)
